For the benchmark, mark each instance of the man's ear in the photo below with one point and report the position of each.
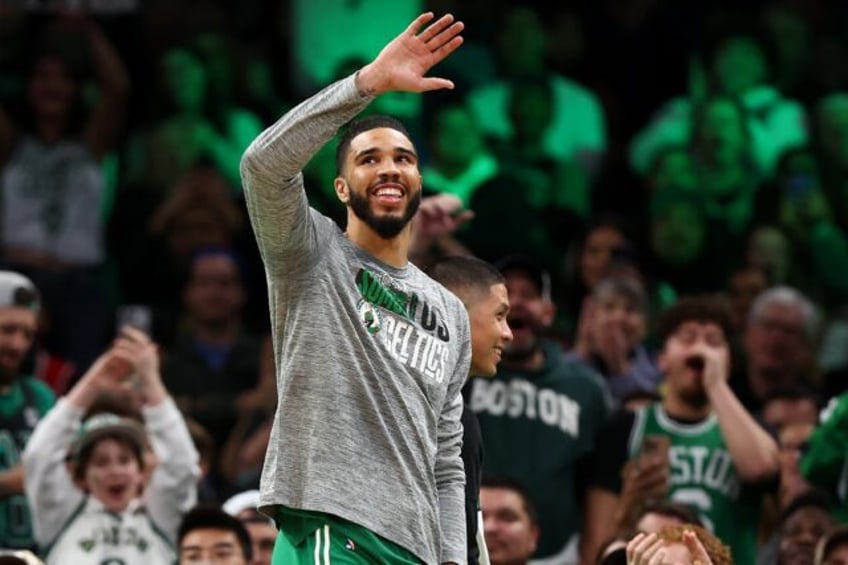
(342, 189)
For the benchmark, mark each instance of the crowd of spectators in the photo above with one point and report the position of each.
(664, 186)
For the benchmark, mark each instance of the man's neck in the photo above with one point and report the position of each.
(394, 251)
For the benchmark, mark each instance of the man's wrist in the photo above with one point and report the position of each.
(365, 82)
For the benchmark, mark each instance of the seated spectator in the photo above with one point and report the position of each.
(680, 544)
(213, 370)
(24, 400)
(804, 522)
(510, 521)
(611, 338)
(207, 534)
(262, 530)
(832, 549)
(97, 483)
(778, 347)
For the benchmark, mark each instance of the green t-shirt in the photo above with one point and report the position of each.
(21, 407)
(825, 461)
(703, 477)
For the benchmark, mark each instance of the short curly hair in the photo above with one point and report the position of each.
(719, 553)
(696, 308)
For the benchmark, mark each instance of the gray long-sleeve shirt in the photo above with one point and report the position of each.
(370, 358)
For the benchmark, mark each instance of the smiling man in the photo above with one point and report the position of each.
(363, 462)
(540, 413)
(483, 291)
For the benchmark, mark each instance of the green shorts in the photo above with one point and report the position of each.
(315, 538)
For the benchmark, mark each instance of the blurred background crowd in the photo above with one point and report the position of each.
(622, 154)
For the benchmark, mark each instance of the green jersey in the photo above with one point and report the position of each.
(21, 407)
(703, 477)
(825, 461)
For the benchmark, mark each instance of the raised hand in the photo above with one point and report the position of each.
(440, 215)
(696, 549)
(404, 61)
(136, 349)
(645, 549)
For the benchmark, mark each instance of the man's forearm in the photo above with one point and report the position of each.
(752, 449)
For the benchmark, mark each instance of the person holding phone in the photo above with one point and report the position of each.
(715, 457)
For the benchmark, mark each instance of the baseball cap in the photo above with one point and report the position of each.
(108, 424)
(246, 500)
(529, 268)
(18, 290)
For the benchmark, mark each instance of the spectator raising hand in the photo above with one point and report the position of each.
(95, 482)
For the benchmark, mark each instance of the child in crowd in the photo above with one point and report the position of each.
(109, 489)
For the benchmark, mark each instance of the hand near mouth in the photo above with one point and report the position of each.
(714, 365)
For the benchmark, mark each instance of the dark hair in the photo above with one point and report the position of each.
(797, 390)
(814, 498)
(508, 483)
(361, 125)
(85, 454)
(696, 308)
(464, 275)
(217, 251)
(211, 517)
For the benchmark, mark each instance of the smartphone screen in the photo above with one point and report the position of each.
(138, 316)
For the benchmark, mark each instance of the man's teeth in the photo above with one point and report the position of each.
(389, 192)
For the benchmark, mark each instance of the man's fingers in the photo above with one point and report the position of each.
(446, 49)
(435, 28)
(434, 83)
(417, 23)
(446, 36)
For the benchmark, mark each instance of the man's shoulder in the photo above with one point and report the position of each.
(38, 387)
(573, 370)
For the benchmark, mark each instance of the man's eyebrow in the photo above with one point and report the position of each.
(398, 149)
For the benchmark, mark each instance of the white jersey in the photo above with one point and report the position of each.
(100, 537)
(73, 528)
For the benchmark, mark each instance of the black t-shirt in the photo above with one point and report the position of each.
(611, 452)
(472, 458)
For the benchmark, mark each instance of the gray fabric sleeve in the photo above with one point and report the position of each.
(271, 171)
(450, 473)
